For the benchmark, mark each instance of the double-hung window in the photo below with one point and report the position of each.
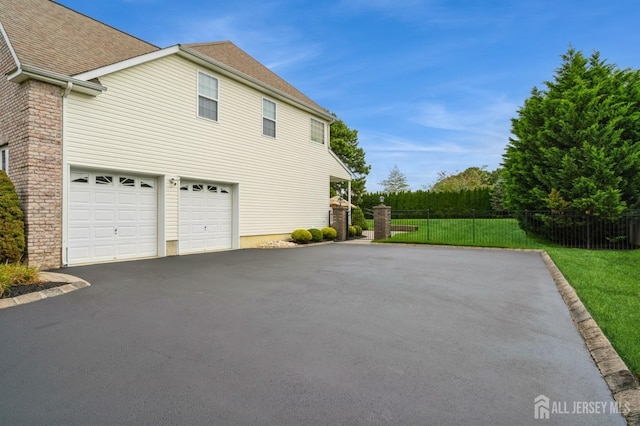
(268, 118)
(317, 131)
(207, 96)
(4, 158)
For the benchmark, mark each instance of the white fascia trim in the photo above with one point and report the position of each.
(127, 63)
(225, 69)
(344, 166)
(26, 72)
(5, 36)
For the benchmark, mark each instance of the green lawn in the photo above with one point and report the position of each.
(607, 281)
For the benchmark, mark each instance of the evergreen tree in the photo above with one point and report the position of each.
(395, 182)
(12, 241)
(576, 144)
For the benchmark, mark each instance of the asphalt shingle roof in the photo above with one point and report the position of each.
(52, 37)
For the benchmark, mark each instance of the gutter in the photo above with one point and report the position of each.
(26, 72)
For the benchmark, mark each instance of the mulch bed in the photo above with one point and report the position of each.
(18, 290)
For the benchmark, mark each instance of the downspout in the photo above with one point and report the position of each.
(65, 178)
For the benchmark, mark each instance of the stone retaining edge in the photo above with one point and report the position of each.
(73, 284)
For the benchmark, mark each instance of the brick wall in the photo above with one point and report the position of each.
(31, 123)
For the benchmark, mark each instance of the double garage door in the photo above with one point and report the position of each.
(114, 216)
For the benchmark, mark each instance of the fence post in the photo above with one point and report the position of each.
(588, 233)
(428, 217)
(473, 224)
(381, 222)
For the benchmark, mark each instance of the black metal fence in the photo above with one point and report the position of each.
(525, 229)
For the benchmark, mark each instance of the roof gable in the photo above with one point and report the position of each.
(49, 36)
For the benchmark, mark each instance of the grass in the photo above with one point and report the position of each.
(16, 274)
(607, 281)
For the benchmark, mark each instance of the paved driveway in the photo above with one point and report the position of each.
(328, 334)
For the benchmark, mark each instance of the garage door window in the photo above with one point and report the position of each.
(147, 183)
(104, 180)
(79, 177)
(127, 181)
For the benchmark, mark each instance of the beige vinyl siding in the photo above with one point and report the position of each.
(147, 122)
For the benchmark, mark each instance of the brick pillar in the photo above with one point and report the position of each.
(381, 222)
(34, 133)
(340, 222)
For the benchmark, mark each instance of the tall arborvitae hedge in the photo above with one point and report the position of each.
(12, 241)
(438, 204)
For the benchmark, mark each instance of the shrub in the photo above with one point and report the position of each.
(358, 230)
(316, 234)
(301, 236)
(352, 231)
(329, 233)
(357, 218)
(12, 241)
(16, 274)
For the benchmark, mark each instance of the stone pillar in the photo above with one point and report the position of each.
(340, 222)
(381, 222)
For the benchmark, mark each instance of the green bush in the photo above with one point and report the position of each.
(12, 242)
(358, 230)
(357, 218)
(301, 236)
(329, 233)
(16, 274)
(352, 231)
(316, 234)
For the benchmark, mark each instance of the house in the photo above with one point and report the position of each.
(120, 149)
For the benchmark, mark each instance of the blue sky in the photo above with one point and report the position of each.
(430, 85)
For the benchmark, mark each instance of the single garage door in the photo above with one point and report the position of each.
(112, 216)
(205, 217)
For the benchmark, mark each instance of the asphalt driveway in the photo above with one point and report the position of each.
(331, 334)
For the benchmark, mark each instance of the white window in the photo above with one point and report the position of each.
(4, 158)
(268, 118)
(207, 96)
(317, 131)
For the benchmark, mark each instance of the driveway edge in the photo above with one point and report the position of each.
(621, 381)
(73, 284)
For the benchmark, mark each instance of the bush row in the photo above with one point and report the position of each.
(304, 236)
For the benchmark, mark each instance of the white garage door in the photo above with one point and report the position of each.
(112, 216)
(205, 217)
